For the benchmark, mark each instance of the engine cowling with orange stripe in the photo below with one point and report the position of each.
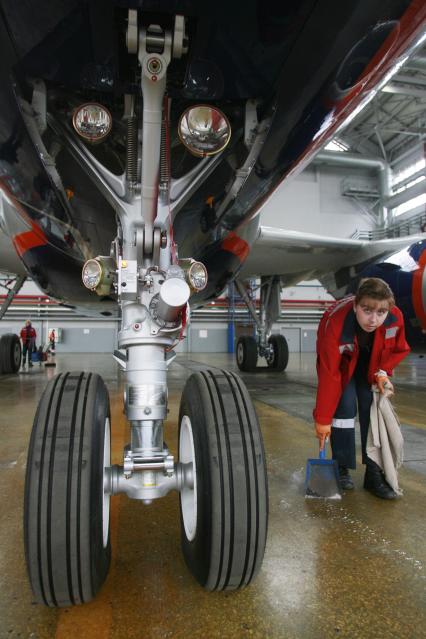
(405, 273)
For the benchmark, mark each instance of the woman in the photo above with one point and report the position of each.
(360, 341)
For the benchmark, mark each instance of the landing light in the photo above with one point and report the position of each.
(92, 122)
(204, 130)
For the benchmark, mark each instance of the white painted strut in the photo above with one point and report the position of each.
(154, 68)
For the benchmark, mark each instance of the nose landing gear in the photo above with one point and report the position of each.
(221, 472)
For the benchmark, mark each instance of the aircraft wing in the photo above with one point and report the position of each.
(297, 256)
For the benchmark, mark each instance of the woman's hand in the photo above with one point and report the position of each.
(323, 432)
(384, 384)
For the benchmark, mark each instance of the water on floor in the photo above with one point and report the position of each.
(350, 568)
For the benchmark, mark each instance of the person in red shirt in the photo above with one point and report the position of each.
(360, 340)
(28, 337)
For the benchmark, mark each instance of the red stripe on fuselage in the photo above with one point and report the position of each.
(29, 240)
(417, 291)
(410, 26)
(234, 244)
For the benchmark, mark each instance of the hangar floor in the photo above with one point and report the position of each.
(354, 568)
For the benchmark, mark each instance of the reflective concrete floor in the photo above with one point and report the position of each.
(355, 568)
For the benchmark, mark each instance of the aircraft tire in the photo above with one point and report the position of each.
(66, 514)
(10, 353)
(224, 517)
(280, 348)
(246, 354)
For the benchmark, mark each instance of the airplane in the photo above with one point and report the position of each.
(138, 142)
(285, 258)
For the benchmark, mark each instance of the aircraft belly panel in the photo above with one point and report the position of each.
(9, 261)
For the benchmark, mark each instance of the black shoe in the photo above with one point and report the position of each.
(375, 482)
(345, 480)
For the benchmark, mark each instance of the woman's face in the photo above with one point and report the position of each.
(371, 313)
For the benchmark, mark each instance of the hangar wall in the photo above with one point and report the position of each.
(82, 336)
(101, 337)
(207, 333)
(202, 337)
(312, 202)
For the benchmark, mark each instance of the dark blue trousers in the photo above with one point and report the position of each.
(27, 348)
(357, 392)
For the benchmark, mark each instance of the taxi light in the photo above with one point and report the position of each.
(92, 274)
(98, 274)
(195, 274)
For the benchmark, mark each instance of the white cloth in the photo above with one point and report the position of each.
(384, 440)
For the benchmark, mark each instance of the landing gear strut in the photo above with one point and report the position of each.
(221, 472)
(273, 348)
(10, 346)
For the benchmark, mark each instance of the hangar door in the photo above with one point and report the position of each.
(292, 336)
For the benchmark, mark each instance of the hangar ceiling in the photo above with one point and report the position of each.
(387, 138)
(395, 120)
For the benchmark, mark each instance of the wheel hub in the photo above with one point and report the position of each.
(107, 495)
(188, 494)
(240, 353)
(17, 355)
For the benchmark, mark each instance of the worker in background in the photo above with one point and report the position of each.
(52, 340)
(28, 337)
(360, 340)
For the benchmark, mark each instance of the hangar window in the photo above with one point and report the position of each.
(408, 171)
(410, 205)
(336, 145)
(407, 178)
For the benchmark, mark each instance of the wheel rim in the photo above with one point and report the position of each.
(17, 354)
(107, 496)
(240, 353)
(188, 495)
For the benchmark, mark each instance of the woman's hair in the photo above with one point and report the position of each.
(375, 288)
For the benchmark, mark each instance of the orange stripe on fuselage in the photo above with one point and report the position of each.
(417, 292)
(234, 244)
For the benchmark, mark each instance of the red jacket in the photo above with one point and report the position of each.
(337, 353)
(28, 334)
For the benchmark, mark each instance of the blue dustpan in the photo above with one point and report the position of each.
(322, 478)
